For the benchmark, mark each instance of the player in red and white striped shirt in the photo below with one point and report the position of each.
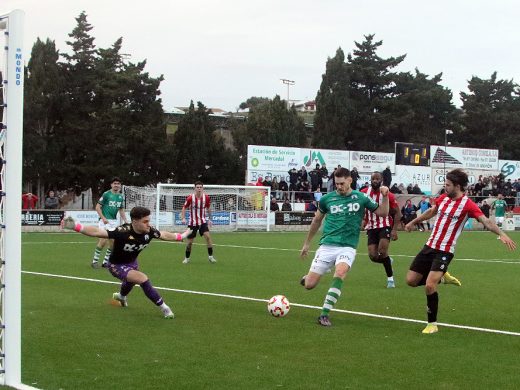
(198, 204)
(381, 229)
(431, 263)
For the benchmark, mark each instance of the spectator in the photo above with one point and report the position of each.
(355, 177)
(387, 177)
(395, 189)
(324, 176)
(259, 182)
(364, 186)
(51, 201)
(409, 189)
(408, 212)
(423, 206)
(283, 187)
(29, 201)
(304, 191)
(275, 188)
(417, 190)
(401, 188)
(313, 206)
(317, 195)
(485, 208)
(267, 181)
(315, 176)
(302, 174)
(274, 205)
(286, 206)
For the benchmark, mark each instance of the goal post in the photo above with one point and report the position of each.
(11, 136)
(232, 208)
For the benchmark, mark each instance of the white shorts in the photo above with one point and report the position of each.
(499, 219)
(328, 256)
(111, 225)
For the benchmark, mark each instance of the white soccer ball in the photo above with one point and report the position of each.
(278, 306)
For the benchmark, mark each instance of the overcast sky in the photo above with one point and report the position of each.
(223, 52)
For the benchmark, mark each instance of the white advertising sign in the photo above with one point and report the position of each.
(466, 158)
(272, 158)
(510, 169)
(85, 217)
(411, 174)
(331, 158)
(438, 177)
(369, 162)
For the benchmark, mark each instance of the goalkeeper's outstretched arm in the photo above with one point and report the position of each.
(70, 224)
(168, 236)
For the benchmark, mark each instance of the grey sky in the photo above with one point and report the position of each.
(222, 52)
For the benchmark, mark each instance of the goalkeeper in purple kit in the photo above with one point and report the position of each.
(129, 240)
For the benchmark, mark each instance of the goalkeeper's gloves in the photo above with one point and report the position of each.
(70, 224)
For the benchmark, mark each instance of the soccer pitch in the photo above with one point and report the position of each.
(223, 337)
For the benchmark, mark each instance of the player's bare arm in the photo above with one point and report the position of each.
(382, 210)
(315, 226)
(100, 213)
(430, 213)
(492, 227)
(169, 236)
(183, 215)
(92, 231)
(395, 213)
(123, 215)
(208, 213)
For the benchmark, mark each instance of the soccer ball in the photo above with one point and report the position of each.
(278, 306)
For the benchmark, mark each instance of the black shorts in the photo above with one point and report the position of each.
(375, 235)
(429, 259)
(198, 228)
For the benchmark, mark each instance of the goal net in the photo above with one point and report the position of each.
(232, 207)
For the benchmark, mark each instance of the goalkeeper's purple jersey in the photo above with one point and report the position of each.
(128, 244)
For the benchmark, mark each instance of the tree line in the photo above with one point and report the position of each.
(92, 113)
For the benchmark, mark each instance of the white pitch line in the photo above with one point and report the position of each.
(240, 297)
(502, 261)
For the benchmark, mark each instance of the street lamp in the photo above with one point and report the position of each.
(288, 83)
(446, 143)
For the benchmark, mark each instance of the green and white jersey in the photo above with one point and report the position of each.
(110, 204)
(344, 214)
(500, 207)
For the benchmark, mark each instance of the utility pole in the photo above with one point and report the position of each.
(288, 83)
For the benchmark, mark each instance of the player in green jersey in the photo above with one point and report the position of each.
(343, 211)
(500, 207)
(110, 203)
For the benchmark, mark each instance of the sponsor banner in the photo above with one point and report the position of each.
(293, 218)
(510, 169)
(251, 218)
(42, 217)
(272, 158)
(409, 174)
(85, 217)
(467, 158)
(217, 218)
(330, 158)
(369, 162)
(516, 218)
(438, 175)
(252, 175)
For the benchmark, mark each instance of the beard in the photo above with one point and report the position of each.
(375, 186)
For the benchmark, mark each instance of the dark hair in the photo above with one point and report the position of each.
(139, 212)
(458, 177)
(115, 178)
(342, 172)
(199, 183)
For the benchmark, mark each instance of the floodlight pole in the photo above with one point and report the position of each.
(288, 83)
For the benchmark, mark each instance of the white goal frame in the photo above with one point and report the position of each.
(238, 217)
(11, 138)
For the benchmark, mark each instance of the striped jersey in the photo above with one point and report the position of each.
(372, 221)
(452, 214)
(197, 208)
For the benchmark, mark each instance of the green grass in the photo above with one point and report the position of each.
(73, 338)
